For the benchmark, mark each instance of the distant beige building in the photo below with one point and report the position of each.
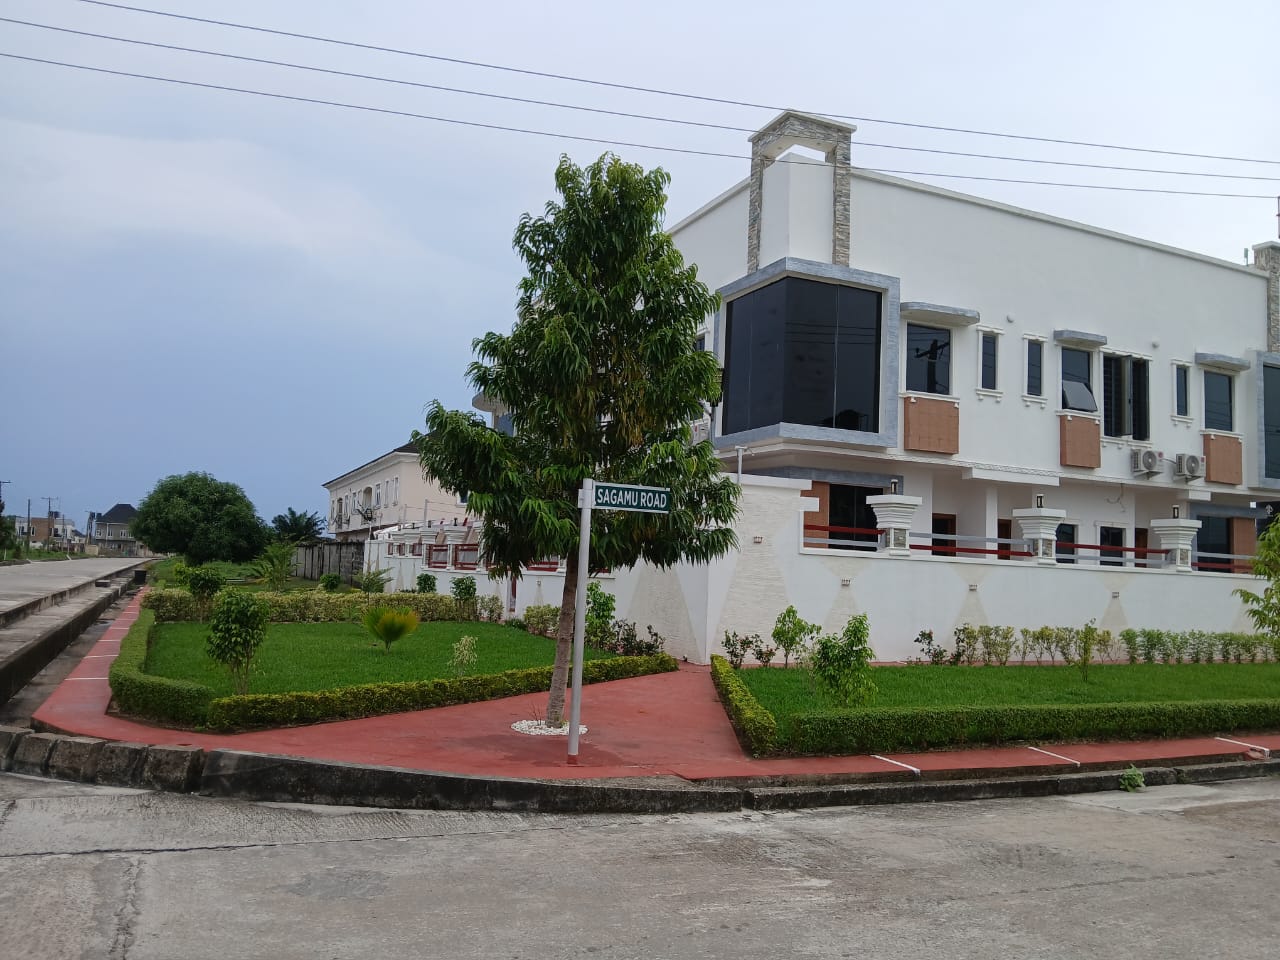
(385, 492)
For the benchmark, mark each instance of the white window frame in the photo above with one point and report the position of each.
(1030, 398)
(1188, 417)
(1095, 378)
(994, 392)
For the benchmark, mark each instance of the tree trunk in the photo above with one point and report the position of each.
(564, 642)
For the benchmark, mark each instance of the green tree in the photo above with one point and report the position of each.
(294, 527)
(201, 518)
(8, 535)
(601, 379)
(236, 630)
(1264, 608)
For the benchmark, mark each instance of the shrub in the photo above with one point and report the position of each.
(878, 729)
(1151, 645)
(966, 647)
(1086, 644)
(168, 605)
(491, 608)
(599, 619)
(1132, 644)
(542, 618)
(1177, 643)
(274, 565)
(372, 581)
(389, 625)
(516, 623)
(237, 628)
(464, 597)
(464, 656)
(180, 575)
(735, 648)
(426, 583)
(842, 665)
(996, 644)
(763, 650)
(330, 582)
(756, 727)
(376, 699)
(204, 583)
(792, 635)
(933, 652)
(140, 694)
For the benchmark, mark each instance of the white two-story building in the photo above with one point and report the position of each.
(388, 491)
(944, 409)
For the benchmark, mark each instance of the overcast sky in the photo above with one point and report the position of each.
(271, 291)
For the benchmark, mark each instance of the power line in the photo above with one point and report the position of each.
(659, 91)
(599, 110)
(605, 140)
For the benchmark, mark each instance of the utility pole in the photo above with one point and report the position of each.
(48, 503)
(28, 526)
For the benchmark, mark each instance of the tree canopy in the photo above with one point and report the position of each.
(294, 527)
(201, 518)
(602, 379)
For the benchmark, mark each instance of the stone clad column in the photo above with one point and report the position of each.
(791, 129)
(1175, 536)
(1266, 257)
(894, 515)
(1040, 526)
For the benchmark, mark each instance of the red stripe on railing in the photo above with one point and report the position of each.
(982, 550)
(863, 530)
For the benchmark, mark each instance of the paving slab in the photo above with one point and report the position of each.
(25, 582)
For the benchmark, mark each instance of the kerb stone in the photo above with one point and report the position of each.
(172, 768)
(75, 758)
(32, 755)
(120, 763)
(10, 737)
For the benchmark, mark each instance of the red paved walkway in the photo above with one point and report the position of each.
(669, 724)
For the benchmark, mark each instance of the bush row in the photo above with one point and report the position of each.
(878, 730)
(309, 606)
(756, 728)
(138, 693)
(375, 699)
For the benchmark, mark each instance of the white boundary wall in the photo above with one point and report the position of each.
(693, 605)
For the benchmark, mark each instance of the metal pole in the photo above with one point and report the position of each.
(580, 613)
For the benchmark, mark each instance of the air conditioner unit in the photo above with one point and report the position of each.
(1144, 461)
(1189, 466)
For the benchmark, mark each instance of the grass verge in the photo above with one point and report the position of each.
(920, 707)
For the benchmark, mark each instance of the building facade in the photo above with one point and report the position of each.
(947, 410)
(112, 533)
(387, 491)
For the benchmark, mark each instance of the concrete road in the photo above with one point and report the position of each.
(1173, 872)
(27, 581)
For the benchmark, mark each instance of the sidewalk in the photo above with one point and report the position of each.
(663, 725)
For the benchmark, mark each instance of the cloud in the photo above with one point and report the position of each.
(92, 188)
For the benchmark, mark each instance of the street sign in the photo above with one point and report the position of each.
(626, 496)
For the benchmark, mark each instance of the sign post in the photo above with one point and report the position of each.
(606, 496)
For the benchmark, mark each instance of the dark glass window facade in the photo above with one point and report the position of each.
(1217, 401)
(990, 361)
(1035, 368)
(848, 509)
(928, 359)
(1065, 547)
(1271, 421)
(803, 351)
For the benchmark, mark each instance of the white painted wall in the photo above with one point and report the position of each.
(796, 210)
(402, 503)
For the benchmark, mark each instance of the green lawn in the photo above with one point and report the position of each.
(786, 692)
(322, 656)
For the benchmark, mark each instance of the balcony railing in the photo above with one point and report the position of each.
(841, 538)
(438, 556)
(466, 556)
(1105, 555)
(958, 545)
(1222, 562)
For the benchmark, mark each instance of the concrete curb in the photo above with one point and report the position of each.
(267, 777)
(17, 670)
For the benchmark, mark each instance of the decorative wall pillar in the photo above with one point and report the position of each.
(1176, 536)
(894, 515)
(1040, 527)
(1266, 257)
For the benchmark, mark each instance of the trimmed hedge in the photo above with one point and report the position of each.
(756, 727)
(375, 699)
(309, 606)
(138, 693)
(878, 730)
